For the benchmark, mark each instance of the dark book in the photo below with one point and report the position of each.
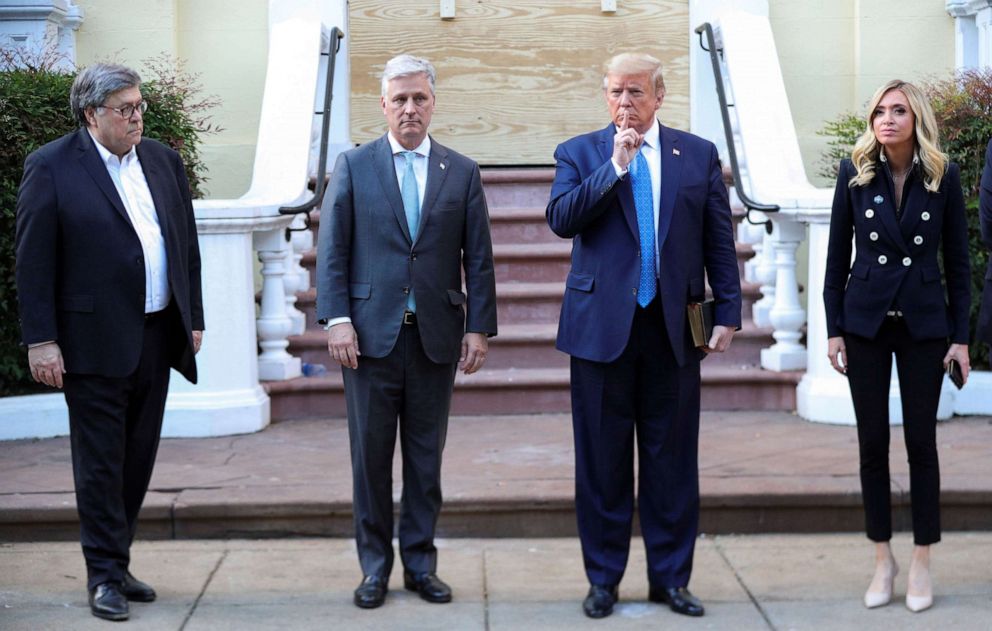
(700, 315)
(954, 372)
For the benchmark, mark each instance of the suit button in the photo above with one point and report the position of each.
(882, 259)
(918, 240)
(925, 216)
(873, 235)
(139, 261)
(907, 262)
(870, 213)
(406, 290)
(413, 257)
(634, 291)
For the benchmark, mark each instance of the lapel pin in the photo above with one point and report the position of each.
(442, 166)
(878, 199)
(676, 152)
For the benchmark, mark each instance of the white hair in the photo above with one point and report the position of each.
(406, 65)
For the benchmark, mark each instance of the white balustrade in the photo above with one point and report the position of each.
(787, 315)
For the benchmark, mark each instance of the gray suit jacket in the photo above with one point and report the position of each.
(367, 262)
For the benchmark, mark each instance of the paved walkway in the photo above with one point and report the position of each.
(757, 582)
(503, 476)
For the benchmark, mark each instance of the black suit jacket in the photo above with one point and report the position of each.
(80, 268)
(985, 196)
(895, 265)
(367, 262)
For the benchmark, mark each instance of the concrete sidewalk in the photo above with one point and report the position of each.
(760, 582)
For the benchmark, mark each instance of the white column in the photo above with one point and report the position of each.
(227, 398)
(787, 315)
(274, 324)
(983, 24)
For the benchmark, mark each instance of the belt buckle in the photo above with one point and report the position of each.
(408, 317)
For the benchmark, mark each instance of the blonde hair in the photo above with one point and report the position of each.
(635, 63)
(867, 149)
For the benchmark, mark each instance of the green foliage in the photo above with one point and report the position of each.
(963, 108)
(34, 110)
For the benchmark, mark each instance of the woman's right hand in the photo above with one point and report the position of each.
(837, 353)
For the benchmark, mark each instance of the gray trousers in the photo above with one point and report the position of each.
(408, 391)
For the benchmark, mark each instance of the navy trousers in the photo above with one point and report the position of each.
(643, 395)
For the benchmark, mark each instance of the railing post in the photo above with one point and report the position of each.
(787, 315)
(297, 278)
(274, 323)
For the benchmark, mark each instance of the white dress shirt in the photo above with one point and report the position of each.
(423, 151)
(129, 180)
(651, 149)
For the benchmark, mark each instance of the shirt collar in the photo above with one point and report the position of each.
(110, 158)
(652, 137)
(423, 149)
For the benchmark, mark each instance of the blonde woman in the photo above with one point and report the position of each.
(899, 200)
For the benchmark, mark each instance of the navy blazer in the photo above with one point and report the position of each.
(595, 208)
(985, 197)
(367, 262)
(895, 263)
(80, 266)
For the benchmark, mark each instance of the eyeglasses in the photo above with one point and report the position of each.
(127, 111)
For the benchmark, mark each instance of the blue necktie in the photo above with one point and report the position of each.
(640, 179)
(411, 205)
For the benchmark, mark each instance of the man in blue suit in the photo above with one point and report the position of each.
(648, 214)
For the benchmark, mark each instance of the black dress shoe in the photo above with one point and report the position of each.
(429, 586)
(371, 593)
(107, 601)
(679, 599)
(136, 590)
(600, 600)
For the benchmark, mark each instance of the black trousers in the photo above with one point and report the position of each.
(114, 427)
(920, 368)
(406, 391)
(644, 395)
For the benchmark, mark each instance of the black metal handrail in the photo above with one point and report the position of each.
(749, 204)
(325, 127)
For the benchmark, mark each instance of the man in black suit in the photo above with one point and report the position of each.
(403, 218)
(108, 281)
(985, 197)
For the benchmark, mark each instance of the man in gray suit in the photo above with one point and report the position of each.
(403, 218)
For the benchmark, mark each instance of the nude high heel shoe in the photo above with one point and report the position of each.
(916, 604)
(879, 599)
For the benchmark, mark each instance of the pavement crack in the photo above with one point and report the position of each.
(485, 591)
(740, 581)
(203, 590)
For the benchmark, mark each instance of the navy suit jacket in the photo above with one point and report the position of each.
(80, 266)
(595, 208)
(895, 264)
(367, 262)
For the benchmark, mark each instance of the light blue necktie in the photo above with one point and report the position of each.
(640, 179)
(411, 205)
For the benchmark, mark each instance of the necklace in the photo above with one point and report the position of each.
(900, 176)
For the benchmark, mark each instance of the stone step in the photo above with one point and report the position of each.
(537, 391)
(533, 346)
(521, 225)
(516, 187)
(532, 263)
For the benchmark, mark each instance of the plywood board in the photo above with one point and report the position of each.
(515, 77)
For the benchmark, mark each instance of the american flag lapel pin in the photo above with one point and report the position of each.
(676, 152)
